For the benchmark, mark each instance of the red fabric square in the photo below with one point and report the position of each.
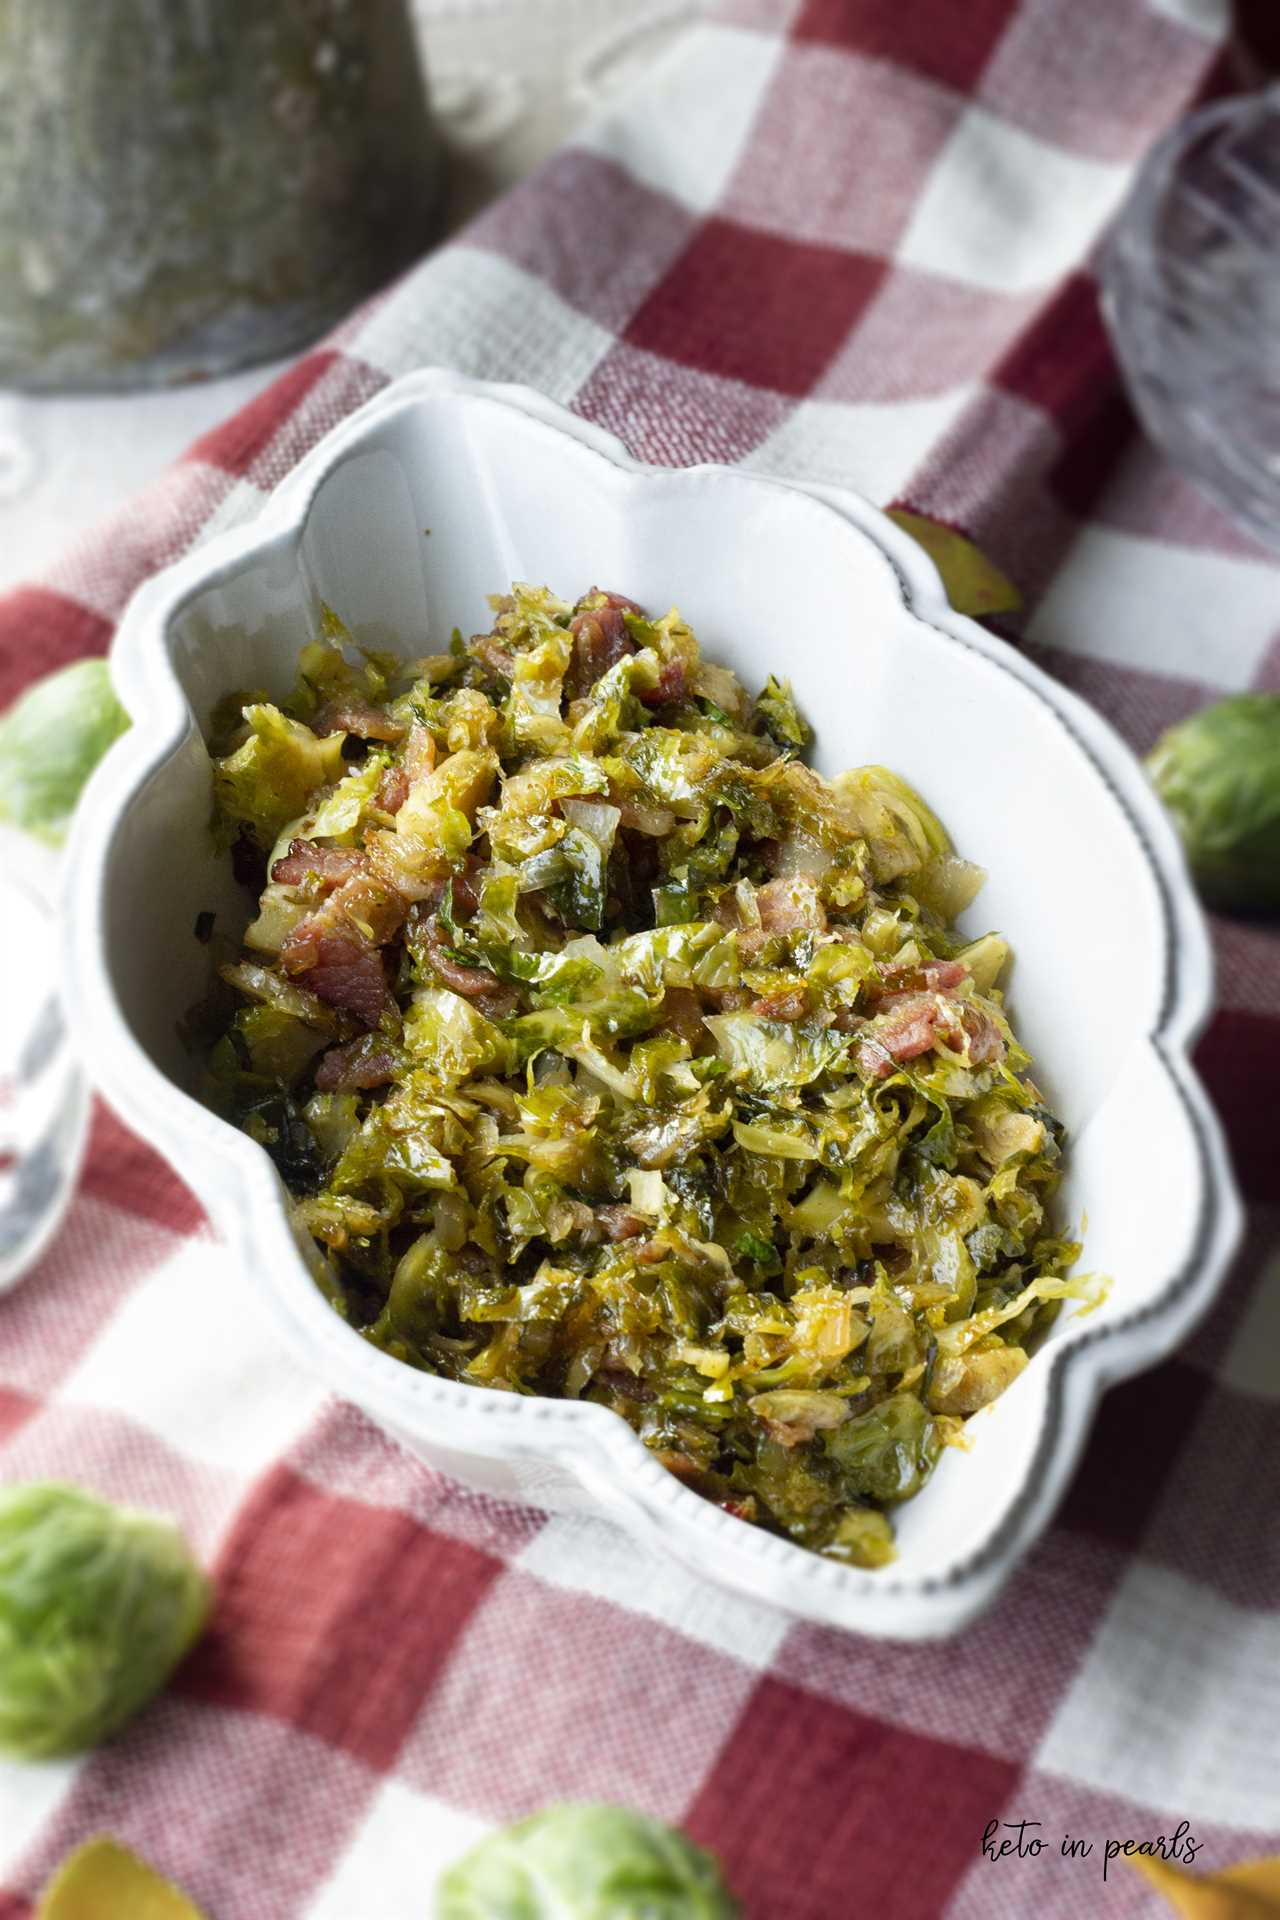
(676, 416)
(841, 150)
(1239, 1061)
(819, 1811)
(608, 1705)
(334, 1616)
(1075, 82)
(541, 229)
(15, 1409)
(1223, 1488)
(1139, 1430)
(966, 1690)
(236, 444)
(950, 43)
(755, 307)
(1138, 703)
(123, 1170)
(41, 630)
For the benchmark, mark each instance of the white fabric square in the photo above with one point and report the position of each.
(1209, 18)
(1005, 210)
(874, 447)
(1160, 608)
(698, 111)
(1176, 1704)
(250, 1402)
(29, 1799)
(478, 314)
(580, 1554)
(401, 1846)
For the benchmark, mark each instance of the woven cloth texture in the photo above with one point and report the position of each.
(852, 240)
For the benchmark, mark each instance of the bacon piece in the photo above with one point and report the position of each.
(473, 983)
(787, 906)
(784, 1003)
(911, 1023)
(619, 1223)
(682, 1015)
(934, 976)
(305, 858)
(600, 640)
(669, 685)
(359, 717)
(419, 753)
(340, 967)
(366, 1062)
(489, 650)
(393, 790)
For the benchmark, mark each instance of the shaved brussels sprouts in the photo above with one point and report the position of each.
(585, 1863)
(1218, 773)
(612, 1053)
(51, 740)
(97, 1606)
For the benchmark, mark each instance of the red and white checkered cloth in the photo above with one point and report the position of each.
(847, 239)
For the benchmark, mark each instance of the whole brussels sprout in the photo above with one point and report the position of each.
(1219, 775)
(585, 1863)
(51, 740)
(97, 1606)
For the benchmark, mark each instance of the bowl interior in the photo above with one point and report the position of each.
(448, 499)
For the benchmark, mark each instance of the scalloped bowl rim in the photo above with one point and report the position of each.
(237, 1182)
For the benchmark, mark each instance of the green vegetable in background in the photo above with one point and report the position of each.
(1218, 773)
(585, 1863)
(51, 740)
(97, 1606)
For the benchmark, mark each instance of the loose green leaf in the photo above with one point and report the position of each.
(973, 584)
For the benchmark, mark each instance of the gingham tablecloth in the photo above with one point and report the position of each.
(848, 239)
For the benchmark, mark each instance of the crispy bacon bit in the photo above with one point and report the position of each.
(619, 1223)
(367, 1062)
(393, 790)
(935, 976)
(726, 999)
(669, 685)
(492, 654)
(419, 753)
(911, 1023)
(359, 717)
(788, 906)
(473, 983)
(308, 858)
(600, 640)
(339, 967)
(625, 1385)
(682, 1015)
(785, 1003)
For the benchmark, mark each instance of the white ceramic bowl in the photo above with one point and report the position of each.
(442, 490)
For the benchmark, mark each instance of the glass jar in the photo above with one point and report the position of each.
(187, 186)
(1191, 292)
